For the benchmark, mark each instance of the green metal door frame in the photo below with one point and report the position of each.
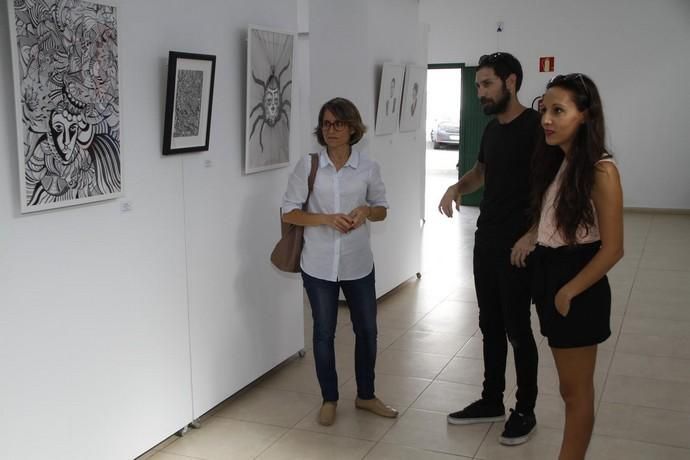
(472, 123)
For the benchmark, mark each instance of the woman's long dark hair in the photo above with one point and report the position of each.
(573, 201)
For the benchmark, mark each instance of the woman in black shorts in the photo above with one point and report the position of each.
(578, 233)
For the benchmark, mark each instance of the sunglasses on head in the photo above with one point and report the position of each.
(489, 58)
(572, 77)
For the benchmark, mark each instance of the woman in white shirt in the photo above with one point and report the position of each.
(348, 191)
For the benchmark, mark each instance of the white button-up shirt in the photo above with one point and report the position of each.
(328, 254)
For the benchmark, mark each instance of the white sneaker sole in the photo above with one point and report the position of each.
(472, 421)
(516, 441)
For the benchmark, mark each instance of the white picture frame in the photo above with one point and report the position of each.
(390, 91)
(270, 59)
(67, 102)
(413, 98)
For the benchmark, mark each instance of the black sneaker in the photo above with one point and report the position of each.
(518, 429)
(479, 411)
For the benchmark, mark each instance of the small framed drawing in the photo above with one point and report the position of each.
(413, 97)
(269, 99)
(388, 112)
(188, 102)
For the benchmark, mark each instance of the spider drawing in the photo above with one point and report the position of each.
(272, 107)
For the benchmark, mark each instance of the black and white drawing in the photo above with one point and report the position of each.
(269, 99)
(189, 101)
(390, 90)
(413, 97)
(66, 81)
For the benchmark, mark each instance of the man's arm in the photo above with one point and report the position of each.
(470, 182)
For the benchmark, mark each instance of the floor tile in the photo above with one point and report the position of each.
(269, 406)
(430, 431)
(660, 368)
(221, 438)
(652, 345)
(647, 392)
(410, 364)
(447, 397)
(437, 343)
(305, 445)
(607, 448)
(658, 426)
(385, 451)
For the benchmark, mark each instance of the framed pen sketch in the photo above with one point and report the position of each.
(188, 102)
(65, 65)
(390, 90)
(270, 57)
(413, 98)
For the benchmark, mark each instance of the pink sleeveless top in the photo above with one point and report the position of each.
(547, 232)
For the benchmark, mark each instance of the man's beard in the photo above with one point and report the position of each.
(500, 106)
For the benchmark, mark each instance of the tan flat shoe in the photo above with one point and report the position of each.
(376, 406)
(327, 413)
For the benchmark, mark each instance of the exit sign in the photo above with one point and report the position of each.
(547, 64)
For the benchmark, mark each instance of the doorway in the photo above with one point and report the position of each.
(444, 93)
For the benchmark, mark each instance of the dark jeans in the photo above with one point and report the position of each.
(361, 299)
(503, 295)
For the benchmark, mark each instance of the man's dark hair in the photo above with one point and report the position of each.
(503, 64)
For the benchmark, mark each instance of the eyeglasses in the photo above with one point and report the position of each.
(572, 77)
(489, 58)
(337, 125)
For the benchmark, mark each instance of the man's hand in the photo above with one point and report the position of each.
(445, 207)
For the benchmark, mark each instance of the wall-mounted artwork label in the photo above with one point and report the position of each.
(67, 100)
(269, 99)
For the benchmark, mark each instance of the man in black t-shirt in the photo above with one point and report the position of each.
(503, 289)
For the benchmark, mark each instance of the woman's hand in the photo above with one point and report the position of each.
(522, 248)
(339, 222)
(359, 216)
(562, 300)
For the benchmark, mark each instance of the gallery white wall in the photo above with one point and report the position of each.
(636, 51)
(350, 41)
(124, 320)
(99, 308)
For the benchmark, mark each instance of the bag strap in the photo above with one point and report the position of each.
(312, 175)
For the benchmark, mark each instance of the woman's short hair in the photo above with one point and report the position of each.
(343, 110)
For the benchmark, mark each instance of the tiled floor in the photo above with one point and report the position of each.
(430, 363)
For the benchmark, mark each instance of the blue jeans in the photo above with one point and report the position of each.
(360, 295)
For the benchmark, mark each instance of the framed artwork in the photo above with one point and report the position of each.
(388, 112)
(269, 99)
(188, 102)
(67, 101)
(413, 97)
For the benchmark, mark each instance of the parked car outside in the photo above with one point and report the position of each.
(446, 133)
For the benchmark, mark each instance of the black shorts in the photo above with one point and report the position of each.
(589, 320)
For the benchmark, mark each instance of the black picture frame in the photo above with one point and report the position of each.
(188, 102)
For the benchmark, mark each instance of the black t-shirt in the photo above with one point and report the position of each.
(506, 151)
